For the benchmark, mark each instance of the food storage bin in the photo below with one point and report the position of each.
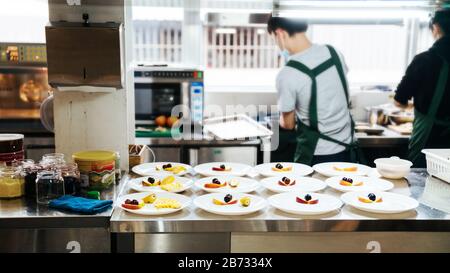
(97, 168)
(438, 163)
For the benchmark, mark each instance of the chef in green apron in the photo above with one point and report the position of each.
(426, 81)
(313, 98)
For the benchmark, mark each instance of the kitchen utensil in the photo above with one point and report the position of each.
(235, 127)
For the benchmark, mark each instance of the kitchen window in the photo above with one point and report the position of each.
(240, 56)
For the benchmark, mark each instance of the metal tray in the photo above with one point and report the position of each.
(235, 127)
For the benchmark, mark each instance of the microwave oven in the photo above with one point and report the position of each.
(158, 89)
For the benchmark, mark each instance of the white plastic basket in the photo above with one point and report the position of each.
(438, 163)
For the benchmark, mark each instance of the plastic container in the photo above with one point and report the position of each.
(11, 143)
(97, 168)
(438, 163)
(393, 167)
(12, 183)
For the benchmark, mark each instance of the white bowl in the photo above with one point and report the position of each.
(393, 167)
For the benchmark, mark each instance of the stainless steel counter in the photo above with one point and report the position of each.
(389, 138)
(432, 215)
(27, 227)
(23, 213)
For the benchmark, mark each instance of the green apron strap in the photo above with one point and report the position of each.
(339, 67)
(308, 136)
(440, 89)
(423, 123)
(313, 118)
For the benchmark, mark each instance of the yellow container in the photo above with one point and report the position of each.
(97, 168)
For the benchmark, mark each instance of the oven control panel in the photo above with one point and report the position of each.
(23, 54)
(197, 101)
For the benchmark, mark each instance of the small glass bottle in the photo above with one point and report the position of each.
(49, 186)
(12, 183)
(71, 177)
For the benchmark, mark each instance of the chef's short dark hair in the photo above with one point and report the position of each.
(442, 18)
(290, 25)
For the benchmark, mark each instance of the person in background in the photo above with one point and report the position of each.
(426, 82)
(312, 96)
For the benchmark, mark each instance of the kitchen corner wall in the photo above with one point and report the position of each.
(96, 120)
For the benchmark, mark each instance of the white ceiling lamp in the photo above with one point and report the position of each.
(353, 10)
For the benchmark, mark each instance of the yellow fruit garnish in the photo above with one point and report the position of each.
(178, 169)
(149, 199)
(245, 201)
(166, 203)
(167, 180)
(172, 186)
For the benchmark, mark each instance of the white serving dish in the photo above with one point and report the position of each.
(392, 202)
(302, 184)
(245, 185)
(393, 167)
(149, 209)
(136, 184)
(287, 202)
(297, 169)
(205, 202)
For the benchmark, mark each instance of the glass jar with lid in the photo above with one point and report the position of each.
(29, 171)
(71, 177)
(12, 184)
(49, 186)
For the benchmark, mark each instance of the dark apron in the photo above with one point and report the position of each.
(308, 136)
(423, 123)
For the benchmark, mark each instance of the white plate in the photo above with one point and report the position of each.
(237, 169)
(369, 183)
(392, 202)
(245, 184)
(297, 169)
(327, 169)
(287, 202)
(205, 202)
(150, 168)
(136, 184)
(149, 209)
(302, 183)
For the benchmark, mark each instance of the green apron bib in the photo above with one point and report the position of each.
(308, 136)
(423, 123)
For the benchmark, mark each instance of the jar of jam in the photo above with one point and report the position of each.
(12, 184)
(29, 171)
(71, 177)
(49, 186)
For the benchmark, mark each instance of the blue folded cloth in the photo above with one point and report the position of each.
(80, 204)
